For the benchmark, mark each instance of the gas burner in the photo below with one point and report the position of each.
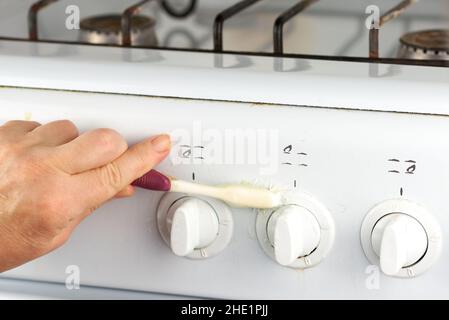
(107, 29)
(425, 45)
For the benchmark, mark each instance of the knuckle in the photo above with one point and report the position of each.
(34, 124)
(111, 176)
(109, 139)
(69, 126)
(13, 123)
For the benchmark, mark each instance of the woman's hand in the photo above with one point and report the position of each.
(51, 178)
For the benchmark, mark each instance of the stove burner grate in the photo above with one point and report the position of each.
(130, 16)
(425, 45)
(107, 29)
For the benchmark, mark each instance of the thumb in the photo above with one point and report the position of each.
(103, 183)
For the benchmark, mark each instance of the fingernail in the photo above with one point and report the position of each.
(161, 143)
(153, 180)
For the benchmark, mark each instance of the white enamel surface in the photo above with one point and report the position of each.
(164, 73)
(213, 77)
(400, 241)
(193, 225)
(119, 246)
(30, 290)
(294, 232)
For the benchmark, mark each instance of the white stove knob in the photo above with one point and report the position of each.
(193, 224)
(400, 241)
(294, 232)
(402, 237)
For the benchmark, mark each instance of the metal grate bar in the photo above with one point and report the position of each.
(127, 17)
(388, 16)
(278, 30)
(225, 15)
(33, 32)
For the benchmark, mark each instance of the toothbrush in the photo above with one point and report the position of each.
(237, 195)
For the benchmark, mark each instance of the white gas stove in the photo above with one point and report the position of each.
(351, 117)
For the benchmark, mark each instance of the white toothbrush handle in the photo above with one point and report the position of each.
(194, 188)
(235, 195)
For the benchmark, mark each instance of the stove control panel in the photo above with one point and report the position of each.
(329, 240)
(194, 227)
(402, 237)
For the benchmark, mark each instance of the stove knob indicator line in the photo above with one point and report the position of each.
(294, 232)
(400, 241)
(194, 225)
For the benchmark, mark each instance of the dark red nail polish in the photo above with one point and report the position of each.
(153, 180)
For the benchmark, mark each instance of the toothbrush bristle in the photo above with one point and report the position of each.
(259, 183)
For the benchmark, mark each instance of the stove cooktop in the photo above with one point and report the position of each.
(318, 28)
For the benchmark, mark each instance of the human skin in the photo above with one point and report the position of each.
(51, 178)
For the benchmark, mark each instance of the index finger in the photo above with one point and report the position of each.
(101, 184)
